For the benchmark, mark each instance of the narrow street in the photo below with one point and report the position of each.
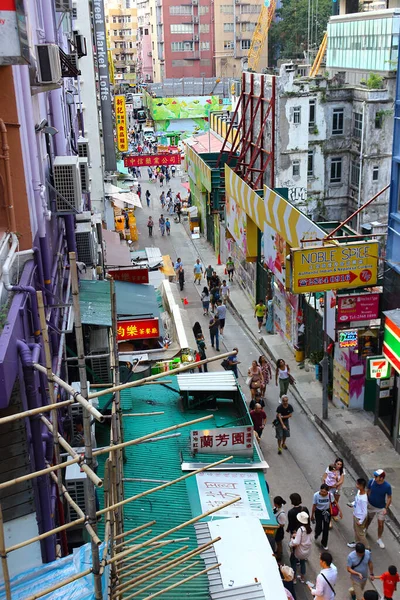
(301, 467)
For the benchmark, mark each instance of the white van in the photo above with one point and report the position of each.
(149, 135)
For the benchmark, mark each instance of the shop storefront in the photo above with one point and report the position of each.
(388, 408)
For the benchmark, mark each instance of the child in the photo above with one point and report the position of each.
(390, 580)
(332, 476)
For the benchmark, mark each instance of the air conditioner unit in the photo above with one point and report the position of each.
(83, 148)
(196, 38)
(86, 244)
(75, 481)
(63, 5)
(48, 63)
(80, 43)
(67, 182)
(77, 409)
(85, 177)
(149, 54)
(100, 365)
(195, 2)
(195, 19)
(73, 59)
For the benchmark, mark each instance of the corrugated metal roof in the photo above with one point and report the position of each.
(136, 300)
(219, 381)
(95, 303)
(154, 257)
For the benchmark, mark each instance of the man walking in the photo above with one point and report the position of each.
(360, 506)
(325, 585)
(214, 332)
(358, 564)
(371, 595)
(230, 267)
(148, 198)
(259, 418)
(221, 314)
(259, 311)
(232, 363)
(379, 499)
(282, 430)
(209, 274)
(161, 223)
(198, 271)
(150, 225)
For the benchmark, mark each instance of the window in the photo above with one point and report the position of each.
(203, 10)
(114, 19)
(378, 121)
(337, 121)
(247, 27)
(249, 8)
(311, 114)
(296, 114)
(355, 173)
(227, 8)
(228, 26)
(183, 9)
(336, 170)
(181, 46)
(375, 173)
(228, 45)
(146, 32)
(246, 44)
(204, 28)
(310, 163)
(204, 45)
(296, 168)
(181, 28)
(358, 125)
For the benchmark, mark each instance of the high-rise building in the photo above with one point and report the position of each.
(121, 20)
(144, 48)
(202, 39)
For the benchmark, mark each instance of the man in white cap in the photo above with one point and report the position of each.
(379, 499)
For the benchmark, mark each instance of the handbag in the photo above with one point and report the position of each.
(292, 380)
(225, 364)
(276, 423)
(334, 509)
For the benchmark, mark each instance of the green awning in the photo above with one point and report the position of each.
(95, 303)
(136, 300)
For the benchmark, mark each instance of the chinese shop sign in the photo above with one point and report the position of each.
(120, 121)
(357, 308)
(224, 440)
(139, 329)
(348, 338)
(131, 275)
(152, 160)
(217, 487)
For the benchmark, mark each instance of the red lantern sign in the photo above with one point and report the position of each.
(138, 329)
(152, 160)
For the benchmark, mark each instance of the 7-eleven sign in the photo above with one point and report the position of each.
(378, 367)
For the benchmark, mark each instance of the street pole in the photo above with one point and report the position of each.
(89, 487)
(325, 363)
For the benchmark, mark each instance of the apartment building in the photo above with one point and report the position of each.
(122, 24)
(144, 48)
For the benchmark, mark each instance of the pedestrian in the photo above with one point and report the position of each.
(169, 194)
(358, 564)
(300, 544)
(201, 345)
(178, 264)
(161, 224)
(224, 291)
(254, 378)
(170, 208)
(371, 595)
(167, 177)
(360, 514)
(150, 225)
(334, 477)
(221, 314)
(282, 426)
(173, 169)
(321, 513)
(230, 268)
(214, 295)
(161, 179)
(281, 519)
(288, 581)
(168, 226)
(293, 523)
(197, 330)
(178, 210)
(282, 373)
(139, 190)
(325, 585)
(259, 418)
(269, 323)
(379, 499)
(150, 173)
(208, 273)
(214, 332)
(205, 298)
(181, 277)
(390, 580)
(139, 173)
(231, 363)
(266, 373)
(162, 199)
(197, 271)
(259, 312)
(148, 198)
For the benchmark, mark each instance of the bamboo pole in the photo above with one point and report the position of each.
(134, 530)
(79, 511)
(126, 587)
(163, 579)
(165, 485)
(136, 537)
(54, 417)
(155, 562)
(146, 559)
(3, 554)
(146, 380)
(175, 585)
(132, 558)
(91, 475)
(143, 414)
(76, 396)
(35, 411)
(40, 473)
(42, 536)
(163, 535)
(57, 586)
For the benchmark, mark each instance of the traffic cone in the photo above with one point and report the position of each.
(185, 301)
(225, 271)
(219, 260)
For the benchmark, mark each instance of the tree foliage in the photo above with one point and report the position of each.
(288, 33)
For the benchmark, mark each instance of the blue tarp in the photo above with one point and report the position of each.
(41, 578)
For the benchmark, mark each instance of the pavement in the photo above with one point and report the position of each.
(314, 443)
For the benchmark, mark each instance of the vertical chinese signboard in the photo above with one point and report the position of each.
(224, 440)
(120, 123)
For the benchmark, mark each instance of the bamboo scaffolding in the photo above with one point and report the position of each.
(3, 554)
(76, 396)
(136, 537)
(146, 380)
(134, 530)
(172, 587)
(42, 536)
(51, 469)
(165, 485)
(78, 511)
(57, 586)
(143, 414)
(126, 587)
(91, 474)
(35, 411)
(132, 558)
(163, 579)
(154, 562)
(146, 559)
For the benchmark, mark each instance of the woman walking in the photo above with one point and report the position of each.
(280, 516)
(254, 379)
(301, 545)
(205, 298)
(150, 225)
(181, 277)
(323, 501)
(282, 374)
(266, 373)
